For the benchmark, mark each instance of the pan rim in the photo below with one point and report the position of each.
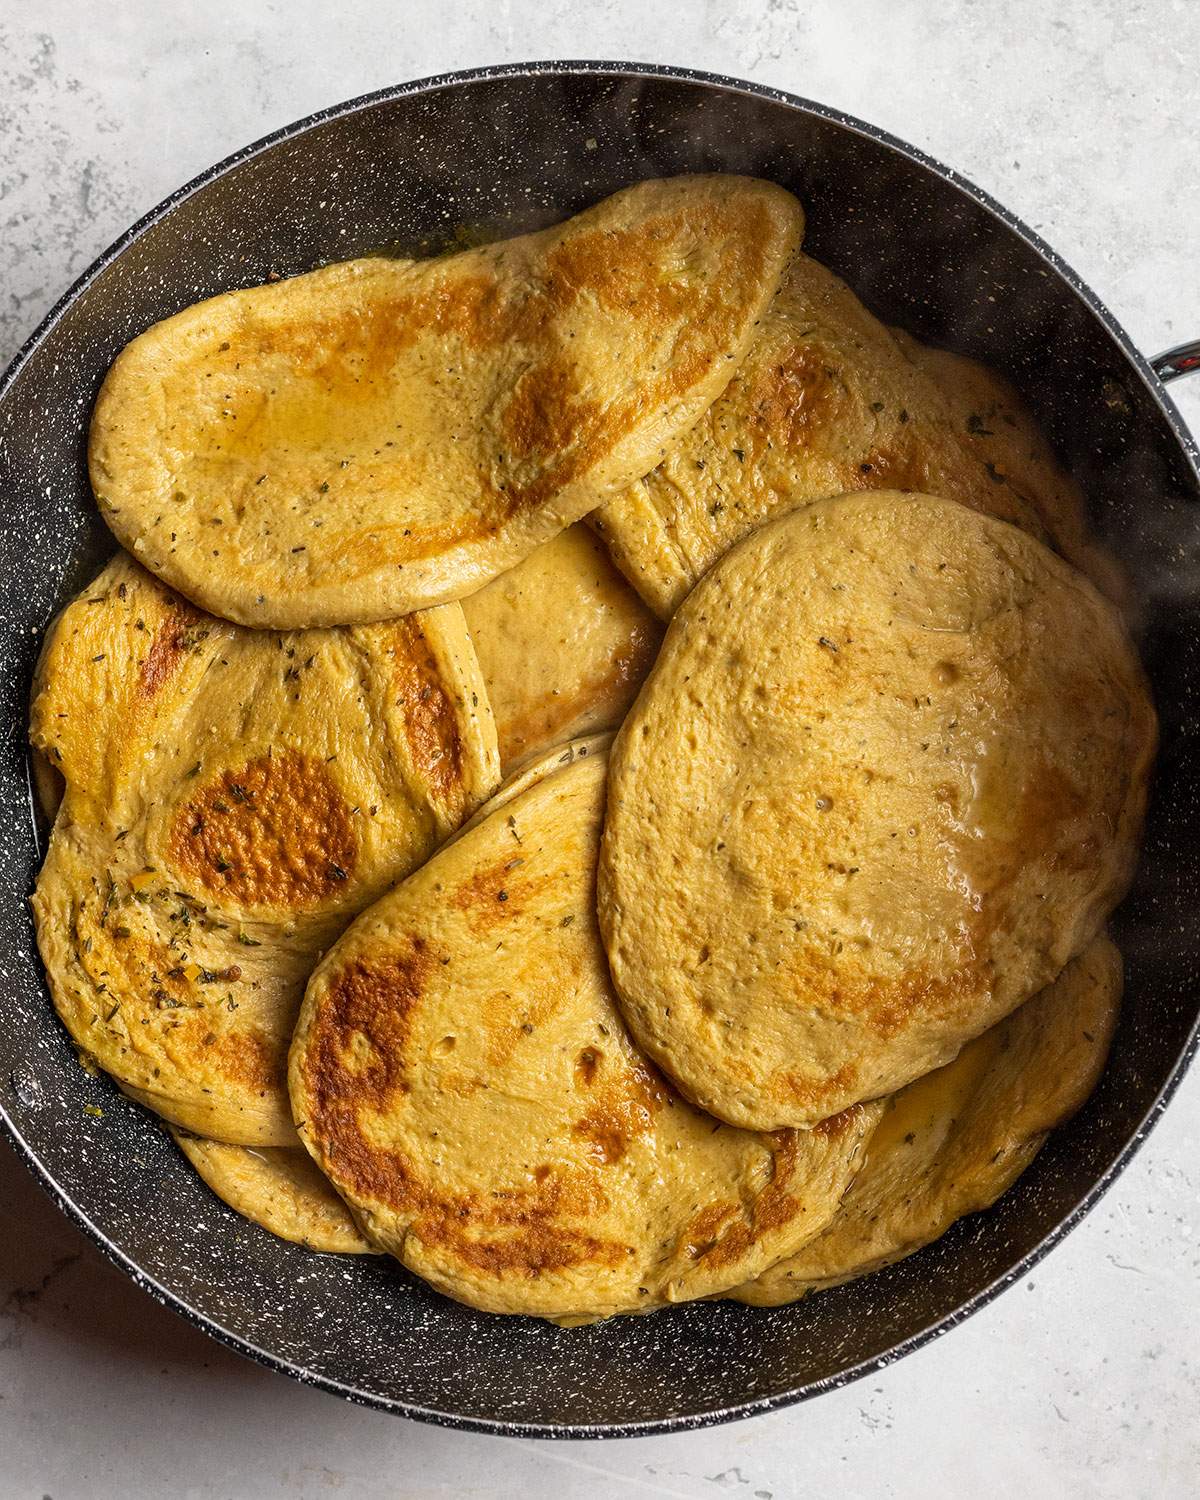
(1140, 365)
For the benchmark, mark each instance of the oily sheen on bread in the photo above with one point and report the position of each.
(382, 435)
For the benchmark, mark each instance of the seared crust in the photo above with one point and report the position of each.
(465, 1081)
(828, 401)
(952, 1142)
(383, 435)
(886, 778)
(232, 799)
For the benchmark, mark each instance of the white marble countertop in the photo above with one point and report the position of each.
(1083, 1381)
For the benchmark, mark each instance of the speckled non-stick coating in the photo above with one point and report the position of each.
(493, 153)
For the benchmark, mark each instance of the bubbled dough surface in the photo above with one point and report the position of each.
(467, 1084)
(885, 779)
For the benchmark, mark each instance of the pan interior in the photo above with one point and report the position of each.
(494, 154)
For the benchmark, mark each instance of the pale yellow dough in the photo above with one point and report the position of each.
(885, 779)
(563, 644)
(280, 1189)
(466, 1083)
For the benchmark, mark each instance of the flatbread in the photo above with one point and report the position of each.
(563, 644)
(232, 799)
(827, 401)
(951, 1143)
(535, 770)
(382, 435)
(886, 778)
(279, 1189)
(466, 1083)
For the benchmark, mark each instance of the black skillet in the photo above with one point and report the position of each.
(495, 152)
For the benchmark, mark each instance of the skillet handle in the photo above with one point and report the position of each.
(1184, 359)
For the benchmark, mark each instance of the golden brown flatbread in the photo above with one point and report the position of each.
(828, 401)
(382, 435)
(233, 798)
(885, 779)
(952, 1142)
(466, 1083)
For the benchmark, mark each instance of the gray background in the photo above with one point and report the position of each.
(1083, 1381)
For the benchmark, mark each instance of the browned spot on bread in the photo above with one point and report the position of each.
(361, 343)
(519, 1233)
(707, 1236)
(885, 1005)
(532, 424)
(929, 460)
(276, 833)
(641, 269)
(553, 716)
(249, 1056)
(516, 1240)
(796, 392)
(430, 718)
(834, 1125)
(496, 893)
(365, 1000)
(897, 466)
(607, 1141)
(799, 397)
(361, 551)
(462, 1084)
(624, 1107)
(795, 1088)
(1023, 821)
(146, 974)
(888, 1008)
(702, 1230)
(174, 638)
(546, 414)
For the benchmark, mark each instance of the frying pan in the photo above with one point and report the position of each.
(499, 151)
